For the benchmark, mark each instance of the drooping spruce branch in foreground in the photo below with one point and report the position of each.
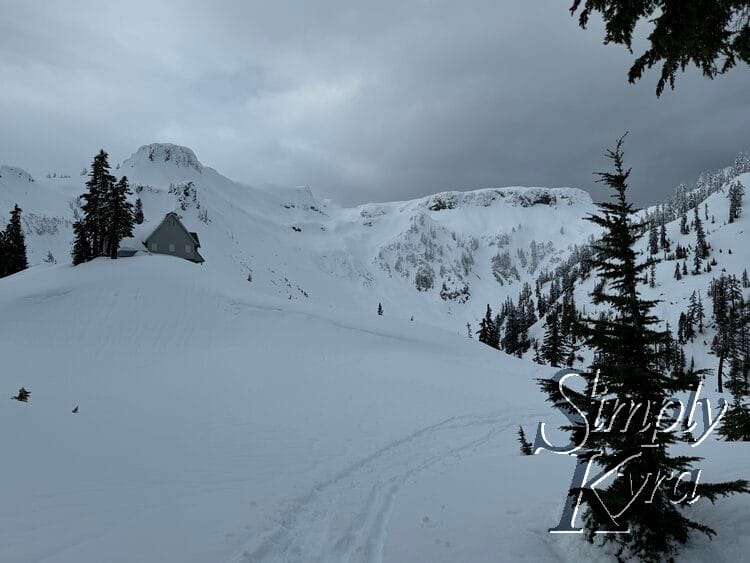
(712, 35)
(630, 355)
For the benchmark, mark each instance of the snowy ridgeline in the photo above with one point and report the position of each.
(256, 408)
(437, 259)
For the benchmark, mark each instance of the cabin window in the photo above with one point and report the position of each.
(154, 247)
(188, 248)
(171, 247)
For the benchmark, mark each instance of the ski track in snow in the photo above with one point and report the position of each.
(345, 518)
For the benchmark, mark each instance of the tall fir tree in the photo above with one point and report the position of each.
(736, 191)
(653, 238)
(13, 246)
(663, 239)
(552, 347)
(684, 228)
(488, 331)
(138, 212)
(628, 352)
(118, 216)
(93, 227)
(701, 245)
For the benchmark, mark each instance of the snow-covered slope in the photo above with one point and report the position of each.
(256, 408)
(216, 424)
(438, 259)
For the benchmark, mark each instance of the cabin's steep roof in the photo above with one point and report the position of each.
(174, 215)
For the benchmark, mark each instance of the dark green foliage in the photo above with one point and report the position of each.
(684, 228)
(712, 35)
(107, 214)
(653, 239)
(488, 330)
(663, 239)
(13, 246)
(736, 191)
(23, 395)
(138, 212)
(552, 348)
(701, 245)
(735, 425)
(525, 445)
(118, 216)
(380, 309)
(630, 355)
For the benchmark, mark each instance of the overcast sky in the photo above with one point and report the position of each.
(362, 101)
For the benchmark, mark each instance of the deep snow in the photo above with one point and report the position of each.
(282, 419)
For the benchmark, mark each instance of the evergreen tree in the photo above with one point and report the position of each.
(468, 330)
(677, 273)
(684, 268)
(138, 212)
(628, 353)
(488, 331)
(735, 425)
(697, 262)
(525, 445)
(81, 243)
(684, 228)
(653, 239)
(118, 216)
(652, 275)
(552, 346)
(736, 191)
(380, 309)
(23, 395)
(663, 240)
(701, 245)
(13, 246)
(94, 225)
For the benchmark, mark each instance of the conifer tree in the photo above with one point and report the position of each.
(684, 228)
(552, 346)
(488, 332)
(663, 240)
(628, 353)
(380, 309)
(118, 216)
(525, 444)
(138, 212)
(93, 227)
(697, 262)
(735, 425)
(653, 239)
(701, 245)
(13, 246)
(81, 243)
(677, 273)
(736, 191)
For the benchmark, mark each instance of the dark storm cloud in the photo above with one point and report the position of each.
(361, 101)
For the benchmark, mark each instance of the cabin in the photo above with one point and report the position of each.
(171, 237)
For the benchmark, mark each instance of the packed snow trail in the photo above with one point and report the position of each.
(346, 517)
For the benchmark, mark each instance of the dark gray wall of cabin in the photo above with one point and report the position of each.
(170, 238)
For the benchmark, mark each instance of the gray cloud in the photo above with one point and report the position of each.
(376, 101)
